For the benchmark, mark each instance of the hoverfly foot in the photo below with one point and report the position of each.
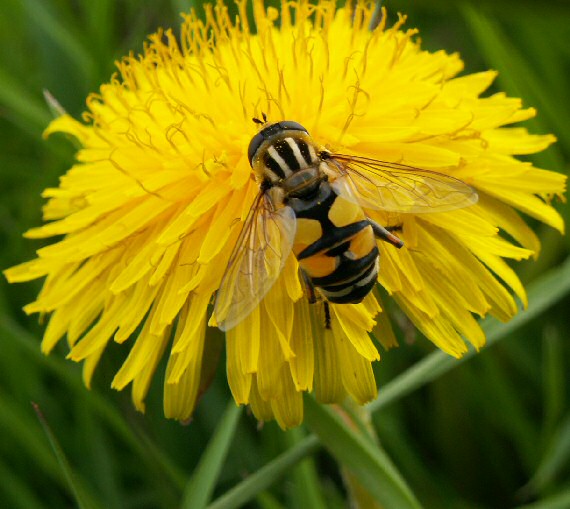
(327, 315)
(310, 291)
(386, 234)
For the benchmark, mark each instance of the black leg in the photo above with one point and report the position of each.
(327, 315)
(384, 234)
(309, 286)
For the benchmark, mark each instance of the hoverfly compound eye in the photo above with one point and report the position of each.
(269, 132)
(254, 145)
(290, 125)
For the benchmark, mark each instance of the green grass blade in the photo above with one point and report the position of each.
(201, 485)
(266, 500)
(23, 108)
(101, 20)
(542, 294)
(369, 464)
(501, 53)
(556, 458)
(554, 369)
(15, 491)
(184, 5)
(558, 501)
(307, 490)
(79, 492)
(153, 456)
(20, 428)
(44, 19)
(249, 488)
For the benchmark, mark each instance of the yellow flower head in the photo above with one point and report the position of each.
(154, 205)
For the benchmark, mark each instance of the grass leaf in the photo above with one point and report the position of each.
(369, 464)
(24, 109)
(249, 488)
(542, 294)
(152, 456)
(44, 18)
(76, 488)
(558, 501)
(201, 485)
(556, 457)
(307, 491)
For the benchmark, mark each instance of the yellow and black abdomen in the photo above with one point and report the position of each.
(335, 246)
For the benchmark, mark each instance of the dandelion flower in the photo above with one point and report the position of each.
(151, 210)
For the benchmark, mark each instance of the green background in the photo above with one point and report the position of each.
(491, 432)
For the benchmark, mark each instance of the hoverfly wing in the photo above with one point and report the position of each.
(262, 248)
(395, 187)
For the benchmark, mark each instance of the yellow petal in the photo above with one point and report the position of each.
(288, 408)
(437, 329)
(302, 365)
(142, 381)
(261, 408)
(354, 331)
(513, 140)
(356, 371)
(89, 366)
(239, 379)
(328, 379)
(141, 362)
(183, 374)
(69, 125)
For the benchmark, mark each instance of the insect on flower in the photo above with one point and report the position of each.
(311, 202)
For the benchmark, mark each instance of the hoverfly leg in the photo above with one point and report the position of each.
(327, 315)
(309, 287)
(384, 234)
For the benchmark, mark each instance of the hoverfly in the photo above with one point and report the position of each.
(310, 202)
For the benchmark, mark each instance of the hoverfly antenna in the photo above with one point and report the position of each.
(260, 122)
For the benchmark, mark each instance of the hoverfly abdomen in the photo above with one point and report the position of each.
(335, 246)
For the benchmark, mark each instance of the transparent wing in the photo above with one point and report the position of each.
(396, 187)
(258, 257)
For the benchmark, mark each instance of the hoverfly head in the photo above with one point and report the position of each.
(268, 132)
